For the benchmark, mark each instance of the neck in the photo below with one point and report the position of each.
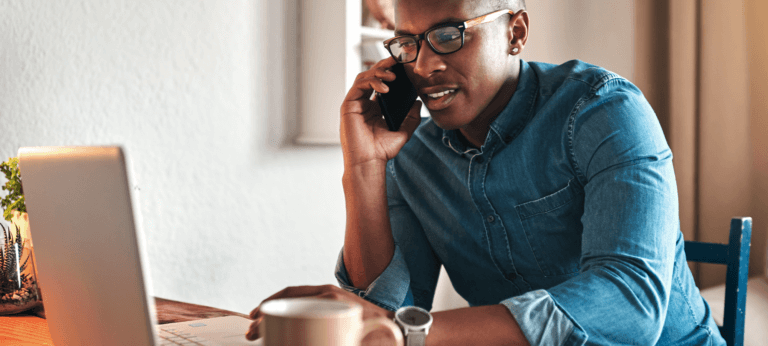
(476, 131)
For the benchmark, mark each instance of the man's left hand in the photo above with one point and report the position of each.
(370, 310)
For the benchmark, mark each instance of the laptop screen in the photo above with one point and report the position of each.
(91, 267)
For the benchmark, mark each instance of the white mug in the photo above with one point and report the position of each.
(319, 322)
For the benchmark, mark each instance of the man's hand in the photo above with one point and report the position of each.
(370, 310)
(365, 137)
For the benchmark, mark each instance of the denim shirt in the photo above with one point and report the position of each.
(567, 215)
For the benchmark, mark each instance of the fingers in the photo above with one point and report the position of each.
(413, 119)
(365, 85)
(383, 73)
(358, 99)
(253, 330)
(293, 292)
(373, 79)
(325, 291)
(385, 63)
(362, 88)
(360, 107)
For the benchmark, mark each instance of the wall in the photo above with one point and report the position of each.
(702, 66)
(724, 163)
(757, 52)
(598, 32)
(194, 92)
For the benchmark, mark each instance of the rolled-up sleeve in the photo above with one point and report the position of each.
(630, 225)
(541, 321)
(389, 290)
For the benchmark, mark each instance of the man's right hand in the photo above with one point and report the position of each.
(365, 138)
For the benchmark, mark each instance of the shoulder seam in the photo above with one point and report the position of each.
(571, 124)
(604, 79)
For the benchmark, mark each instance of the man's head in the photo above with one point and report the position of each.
(476, 76)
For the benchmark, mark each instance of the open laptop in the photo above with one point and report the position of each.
(92, 269)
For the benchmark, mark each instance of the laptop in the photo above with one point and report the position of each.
(92, 268)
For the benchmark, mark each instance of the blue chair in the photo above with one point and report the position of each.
(735, 255)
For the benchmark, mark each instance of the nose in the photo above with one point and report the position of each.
(428, 62)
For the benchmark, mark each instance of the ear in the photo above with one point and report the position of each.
(517, 32)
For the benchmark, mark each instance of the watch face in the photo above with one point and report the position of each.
(413, 317)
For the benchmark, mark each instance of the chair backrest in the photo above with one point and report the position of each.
(735, 255)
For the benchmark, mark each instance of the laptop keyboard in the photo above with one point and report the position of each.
(171, 336)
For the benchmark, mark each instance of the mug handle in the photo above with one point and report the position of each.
(382, 322)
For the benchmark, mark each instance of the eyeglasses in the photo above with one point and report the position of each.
(443, 39)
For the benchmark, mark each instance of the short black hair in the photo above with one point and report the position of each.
(514, 5)
(491, 5)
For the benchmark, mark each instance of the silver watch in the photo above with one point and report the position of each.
(415, 323)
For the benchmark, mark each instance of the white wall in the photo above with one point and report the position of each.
(230, 214)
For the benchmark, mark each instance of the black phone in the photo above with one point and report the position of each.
(398, 101)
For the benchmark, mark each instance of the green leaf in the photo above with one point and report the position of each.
(15, 197)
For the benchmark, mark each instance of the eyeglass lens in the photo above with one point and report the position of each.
(443, 40)
(404, 49)
(446, 39)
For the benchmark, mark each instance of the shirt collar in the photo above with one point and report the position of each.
(512, 119)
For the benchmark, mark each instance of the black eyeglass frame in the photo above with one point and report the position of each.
(461, 26)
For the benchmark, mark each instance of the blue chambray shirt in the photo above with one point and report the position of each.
(567, 215)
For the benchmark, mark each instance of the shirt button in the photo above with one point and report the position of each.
(490, 218)
(510, 276)
(479, 159)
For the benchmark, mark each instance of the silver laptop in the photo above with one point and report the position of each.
(92, 269)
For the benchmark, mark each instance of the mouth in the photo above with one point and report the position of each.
(438, 95)
(437, 98)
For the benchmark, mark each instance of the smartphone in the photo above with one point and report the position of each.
(398, 101)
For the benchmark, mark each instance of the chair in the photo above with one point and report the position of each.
(735, 255)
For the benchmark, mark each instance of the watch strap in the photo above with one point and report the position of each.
(416, 338)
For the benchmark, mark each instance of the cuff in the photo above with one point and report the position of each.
(389, 290)
(542, 321)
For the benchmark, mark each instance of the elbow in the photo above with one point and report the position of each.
(647, 295)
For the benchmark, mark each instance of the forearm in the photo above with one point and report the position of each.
(482, 325)
(368, 242)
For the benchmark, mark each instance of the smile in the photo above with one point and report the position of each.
(441, 94)
(439, 100)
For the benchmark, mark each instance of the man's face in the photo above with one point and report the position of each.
(475, 73)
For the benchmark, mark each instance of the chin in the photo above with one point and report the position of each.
(445, 126)
(448, 120)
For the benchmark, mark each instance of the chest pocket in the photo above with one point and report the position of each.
(553, 227)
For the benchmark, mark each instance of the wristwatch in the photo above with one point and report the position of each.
(415, 323)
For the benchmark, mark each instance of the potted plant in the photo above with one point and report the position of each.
(18, 279)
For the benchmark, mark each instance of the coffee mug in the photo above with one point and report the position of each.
(319, 322)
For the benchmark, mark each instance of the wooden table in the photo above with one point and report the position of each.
(29, 328)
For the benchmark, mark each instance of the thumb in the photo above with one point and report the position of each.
(413, 119)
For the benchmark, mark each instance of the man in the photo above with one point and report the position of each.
(547, 193)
